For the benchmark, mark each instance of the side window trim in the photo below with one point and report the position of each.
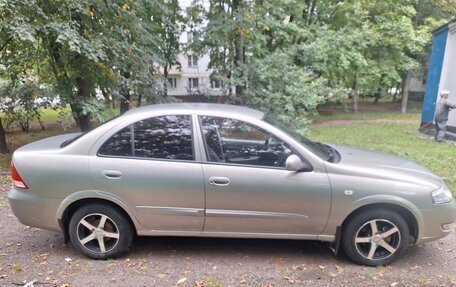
(206, 150)
(204, 141)
(132, 139)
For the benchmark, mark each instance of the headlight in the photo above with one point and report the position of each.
(442, 195)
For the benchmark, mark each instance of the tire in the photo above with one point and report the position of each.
(97, 239)
(382, 247)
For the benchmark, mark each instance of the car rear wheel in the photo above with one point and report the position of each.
(375, 237)
(100, 231)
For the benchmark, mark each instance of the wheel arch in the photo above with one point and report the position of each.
(408, 216)
(69, 210)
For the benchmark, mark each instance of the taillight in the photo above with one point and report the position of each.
(17, 180)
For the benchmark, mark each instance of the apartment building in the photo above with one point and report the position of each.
(191, 80)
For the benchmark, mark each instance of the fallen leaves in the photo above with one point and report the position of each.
(201, 283)
(182, 280)
(287, 278)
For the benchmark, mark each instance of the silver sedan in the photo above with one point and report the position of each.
(224, 171)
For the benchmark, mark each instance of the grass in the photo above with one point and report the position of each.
(210, 281)
(400, 138)
(49, 115)
(16, 268)
(370, 116)
(52, 115)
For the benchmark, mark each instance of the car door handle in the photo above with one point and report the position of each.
(111, 174)
(219, 181)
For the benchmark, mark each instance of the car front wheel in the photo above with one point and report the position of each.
(100, 231)
(375, 237)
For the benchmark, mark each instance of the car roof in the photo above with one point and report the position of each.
(199, 108)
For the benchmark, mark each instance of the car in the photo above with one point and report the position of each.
(213, 170)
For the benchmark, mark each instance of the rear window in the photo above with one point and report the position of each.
(164, 137)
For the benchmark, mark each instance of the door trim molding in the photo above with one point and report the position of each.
(254, 214)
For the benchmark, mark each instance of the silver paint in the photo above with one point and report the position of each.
(201, 198)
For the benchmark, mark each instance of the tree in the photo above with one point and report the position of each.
(82, 46)
(16, 63)
(168, 32)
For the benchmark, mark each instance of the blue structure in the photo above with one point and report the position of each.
(442, 73)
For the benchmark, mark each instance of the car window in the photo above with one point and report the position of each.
(165, 137)
(318, 149)
(168, 137)
(119, 144)
(233, 141)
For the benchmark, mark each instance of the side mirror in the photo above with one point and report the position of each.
(294, 163)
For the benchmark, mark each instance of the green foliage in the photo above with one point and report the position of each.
(81, 47)
(293, 55)
(278, 86)
(23, 104)
(285, 57)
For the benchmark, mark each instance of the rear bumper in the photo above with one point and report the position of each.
(33, 210)
(438, 222)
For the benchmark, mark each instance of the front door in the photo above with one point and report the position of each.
(248, 189)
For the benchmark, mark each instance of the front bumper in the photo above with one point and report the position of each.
(438, 222)
(33, 210)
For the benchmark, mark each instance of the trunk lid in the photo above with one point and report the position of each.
(50, 144)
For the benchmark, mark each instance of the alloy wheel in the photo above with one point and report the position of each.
(377, 239)
(98, 233)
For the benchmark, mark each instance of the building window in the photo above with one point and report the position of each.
(193, 83)
(216, 84)
(189, 37)
(192, 61)
(172, 83)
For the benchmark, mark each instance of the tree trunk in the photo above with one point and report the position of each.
(377, 96)
(165, 84)
(405, 93)
(138, 104)
(239, 54)
(125, 93)
(82, 121)
(405, 89)
(106, 96)
(3, 146)
(355, 92)
(396, 92)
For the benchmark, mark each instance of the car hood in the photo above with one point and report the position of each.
(366, 163)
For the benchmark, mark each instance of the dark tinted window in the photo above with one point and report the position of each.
(119, 144)
(233, 141)
(167, 137)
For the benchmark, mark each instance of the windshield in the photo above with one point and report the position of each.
(321, 150)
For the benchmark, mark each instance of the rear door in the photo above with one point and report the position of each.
(151, 165)
(248, 189)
